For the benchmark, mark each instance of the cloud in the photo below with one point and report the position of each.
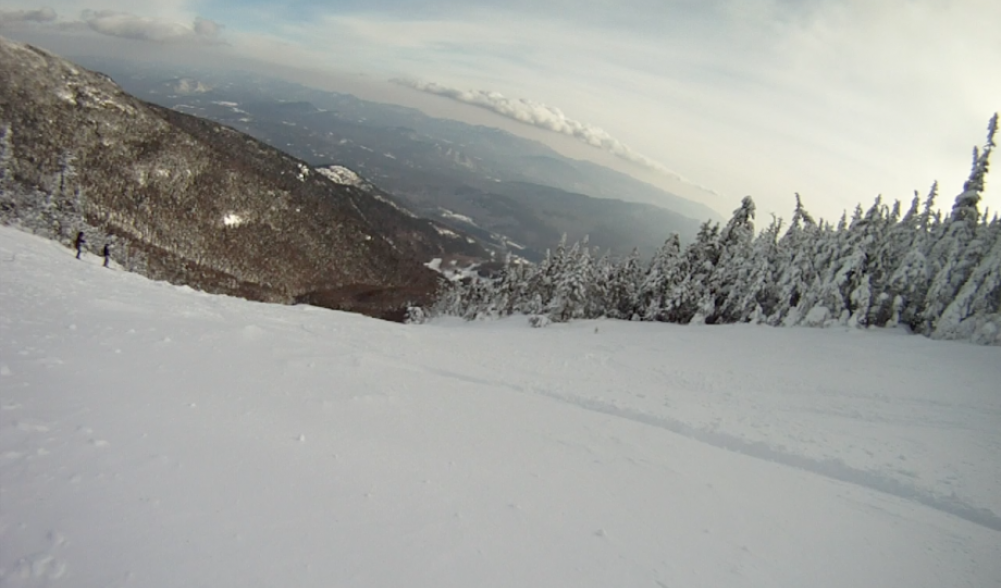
(204, 27)
(835, 99)
(539, 115)
(130, 26)
(41, 15)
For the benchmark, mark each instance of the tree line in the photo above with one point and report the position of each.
(937, 274)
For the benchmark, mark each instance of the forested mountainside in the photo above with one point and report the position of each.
(194, 202)
(518, 195)
(940, 275)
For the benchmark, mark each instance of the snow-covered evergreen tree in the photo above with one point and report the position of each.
(599, 304)
(759, 297)
(730, 281)
(958, 251)
(891, 288)
(940, 276)
(572, 285)
(965, 207)
(973, 313)
(796, 272)
(655, 294)
(623, 288)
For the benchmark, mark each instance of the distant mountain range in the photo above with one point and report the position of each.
(191, 201)
(518, 195)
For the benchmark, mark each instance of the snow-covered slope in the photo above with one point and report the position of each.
(154, 436)
(341, 175)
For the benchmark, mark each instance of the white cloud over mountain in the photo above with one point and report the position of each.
(836, 99)
(130, 26)
(120, 23)
(539, 115)
(39, 15)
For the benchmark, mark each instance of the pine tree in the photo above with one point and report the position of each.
(929, 210)
(965, 207)
(940, 276)
(734, 269)
(870, 273)
(760, 295)
(891, 251)
(654, 295)
(696, 299)
(972, 314)
(911, 278)
(623, 287)
(600, 304)
(796, 272)
(957, 253)
(572, 285)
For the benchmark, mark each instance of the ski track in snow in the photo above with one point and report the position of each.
(829, 468)
(895, 427)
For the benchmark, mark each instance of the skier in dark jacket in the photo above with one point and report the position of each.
(107, 254)
(80, 242)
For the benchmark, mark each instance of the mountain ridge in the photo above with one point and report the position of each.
(423, 161)
(191, 201)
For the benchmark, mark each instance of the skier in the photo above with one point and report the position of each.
(107, 254)
(80, 242)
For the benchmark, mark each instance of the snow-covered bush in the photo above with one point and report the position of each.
(416, 315)
(538, 321)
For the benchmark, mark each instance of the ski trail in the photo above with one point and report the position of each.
(829, 468)
(833, 469)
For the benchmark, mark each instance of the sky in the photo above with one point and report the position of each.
(839, 100)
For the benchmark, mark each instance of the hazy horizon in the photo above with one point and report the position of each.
(839, 101)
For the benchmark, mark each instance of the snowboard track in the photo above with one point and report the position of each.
(833, 469)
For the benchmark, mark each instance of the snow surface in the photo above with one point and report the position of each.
(454, 272)
(446, 213)
(232, 220)
(446, 232)
(151, 435)
(344, 176)
(341, 175)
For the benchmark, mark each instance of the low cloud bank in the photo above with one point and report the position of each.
(41, 15)
(124, 25)
(540, 115)
(130, 26)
